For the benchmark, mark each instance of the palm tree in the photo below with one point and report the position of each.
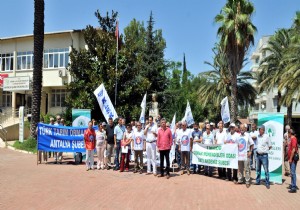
(218, 83)
(290, 78)
(271, 67)
(38, 36)
(237, 35)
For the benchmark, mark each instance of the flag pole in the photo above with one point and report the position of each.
(116, 87)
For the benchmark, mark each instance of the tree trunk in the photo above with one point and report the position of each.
(289, 114)
(233, 100)
(278, 101)
(38, 38)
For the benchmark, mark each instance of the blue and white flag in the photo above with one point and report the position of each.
(188, 116)
(105, 104)
(143, 105)
(172, 126)
(225, 110)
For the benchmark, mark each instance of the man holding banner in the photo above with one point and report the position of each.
(208, 138)
(232, 138)
(245, 150)
(118, 136)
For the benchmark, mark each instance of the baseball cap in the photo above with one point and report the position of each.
(211, 123)
(104, 123)
(232, 125)
(262, 127)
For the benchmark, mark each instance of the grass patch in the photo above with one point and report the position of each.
(28, 145)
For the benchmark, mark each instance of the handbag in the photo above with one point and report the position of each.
(296, 157)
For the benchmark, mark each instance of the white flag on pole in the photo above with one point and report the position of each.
(105, 104)
(172, 126)
(188, 116)
(143, 105)
(225, 110)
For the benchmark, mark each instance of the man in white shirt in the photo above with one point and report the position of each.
(151, 133)
(254, 133)
(263, 147)
(208, 138)
(177, 133)
(185, 146)
(286, 141)
(245, 140)
(220, 140)
(232, 138)
(138, 145)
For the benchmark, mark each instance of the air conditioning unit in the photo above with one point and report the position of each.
(62, 72)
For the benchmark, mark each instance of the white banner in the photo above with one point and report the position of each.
(105, 104)
(225, 114)
(225, 156)
(143, 105)
(188, 116)
(172, 126)
(21, 123)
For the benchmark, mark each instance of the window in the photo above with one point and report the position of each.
(6, 99)
(55, 58)
(264, 54)
(58, 98)
(6, 62)
(25, 60)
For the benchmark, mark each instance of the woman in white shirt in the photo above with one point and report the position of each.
(100, 146)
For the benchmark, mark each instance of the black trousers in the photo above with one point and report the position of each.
(222, 172)
(164, 154)
(229, 173)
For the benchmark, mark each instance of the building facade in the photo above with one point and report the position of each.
(16, 60)
(267, 101)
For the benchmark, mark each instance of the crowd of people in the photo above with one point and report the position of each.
(154, 136)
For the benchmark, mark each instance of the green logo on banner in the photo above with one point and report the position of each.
(270, 130)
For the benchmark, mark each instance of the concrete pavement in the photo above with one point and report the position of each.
(24, 185)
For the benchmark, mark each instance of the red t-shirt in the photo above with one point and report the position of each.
(292, 144)
(90, 139)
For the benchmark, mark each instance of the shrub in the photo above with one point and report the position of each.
(28, 145)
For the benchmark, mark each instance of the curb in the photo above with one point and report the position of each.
(18, 150)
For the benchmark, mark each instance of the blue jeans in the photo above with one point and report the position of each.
(178, 156)
(118, 150)
(293, 166)
(262, 160)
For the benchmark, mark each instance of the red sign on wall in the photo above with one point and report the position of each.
(2, 76)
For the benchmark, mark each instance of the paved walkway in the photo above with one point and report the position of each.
(24, 185)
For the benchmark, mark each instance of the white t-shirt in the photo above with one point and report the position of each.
(149, 135)
(208, 138)
(100, 138)
(221, 136)
(232, 138)
(254, 133)
(138, 140)
(263, 144)
(185, 138)
(128, 136)
(248, 140)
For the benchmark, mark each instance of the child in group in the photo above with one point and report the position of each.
(125, 144)
(100, 146)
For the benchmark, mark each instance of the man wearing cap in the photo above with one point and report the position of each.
(232, 138)
(263, 147)
(286, 141)
(220, 140)
(151, 133)
(292, 150)
(197, 139)
(244, 165)
(253, 134)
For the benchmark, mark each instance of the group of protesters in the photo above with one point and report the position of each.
(157, 136)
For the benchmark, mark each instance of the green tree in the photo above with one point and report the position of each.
(271, 67)
(218, 83)
(236, 34)
(184, 73)
(38, 39)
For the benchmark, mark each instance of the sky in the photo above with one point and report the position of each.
(188, 26)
